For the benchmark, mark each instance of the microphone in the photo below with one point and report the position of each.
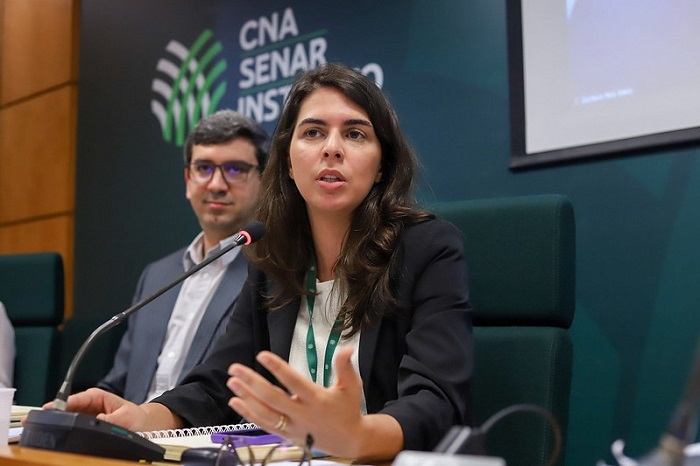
(59, 430)
(681, 429)
(683, 426)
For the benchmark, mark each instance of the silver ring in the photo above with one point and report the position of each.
(282, 423)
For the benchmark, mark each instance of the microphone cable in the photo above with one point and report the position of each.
(519, 408)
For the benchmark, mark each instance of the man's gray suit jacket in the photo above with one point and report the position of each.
(136, 358)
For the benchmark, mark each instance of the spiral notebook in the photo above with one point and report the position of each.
(18, 412)
(197, 431)
(176, 441)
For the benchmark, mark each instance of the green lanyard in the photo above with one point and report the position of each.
(333, 338)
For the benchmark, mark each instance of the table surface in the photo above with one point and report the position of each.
(15, 455)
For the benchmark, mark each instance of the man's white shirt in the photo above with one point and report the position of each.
(194, 298)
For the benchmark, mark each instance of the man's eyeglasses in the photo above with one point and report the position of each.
(236, 451)
(233, 172)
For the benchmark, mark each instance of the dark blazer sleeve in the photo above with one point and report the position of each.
(425, 349)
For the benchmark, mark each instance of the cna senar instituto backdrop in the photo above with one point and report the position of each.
(150, 70)
(247, 66)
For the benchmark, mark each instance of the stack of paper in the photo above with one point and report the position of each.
(18, 413)
(14, 434)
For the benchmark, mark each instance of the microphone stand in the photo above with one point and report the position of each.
(681, 429)
(60, 430)
(683, 425)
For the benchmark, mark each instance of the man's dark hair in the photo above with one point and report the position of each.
(223, 126)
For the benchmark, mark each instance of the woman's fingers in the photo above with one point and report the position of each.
(284, 412)
(348, 378)
(256, 399)
(294, 413)
(247, 383)
(294, 382)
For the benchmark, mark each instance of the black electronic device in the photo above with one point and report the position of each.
(86, 435)
(59, 430)
(208, 456)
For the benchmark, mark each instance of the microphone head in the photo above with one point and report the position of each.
(251, 233)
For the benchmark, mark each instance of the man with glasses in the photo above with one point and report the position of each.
(224, 156)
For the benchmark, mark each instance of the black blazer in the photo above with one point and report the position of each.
(416, 362)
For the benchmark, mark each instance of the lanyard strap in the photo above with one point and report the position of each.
(333, 338)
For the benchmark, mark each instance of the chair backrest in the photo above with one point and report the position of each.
(521, 261)
(32, 290)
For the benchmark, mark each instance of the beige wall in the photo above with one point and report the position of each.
(38, 105)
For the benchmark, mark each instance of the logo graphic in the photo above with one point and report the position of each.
(184, 85)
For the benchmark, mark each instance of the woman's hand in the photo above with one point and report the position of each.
(112, 408)
(331, 415)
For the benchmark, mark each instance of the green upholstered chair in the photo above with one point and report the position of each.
(32, 290)
(521, 260)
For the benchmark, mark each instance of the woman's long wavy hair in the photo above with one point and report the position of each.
(363, 268)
